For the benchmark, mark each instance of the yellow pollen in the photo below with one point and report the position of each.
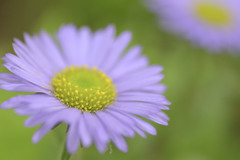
(84, 88)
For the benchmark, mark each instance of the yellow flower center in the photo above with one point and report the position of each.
(87, 89)
(213, 14)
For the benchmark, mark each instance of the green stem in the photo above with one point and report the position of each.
(65, 154)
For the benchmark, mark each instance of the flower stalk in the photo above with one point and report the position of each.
(65, 154)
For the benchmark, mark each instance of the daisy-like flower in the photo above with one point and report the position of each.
(212, 24)
(85, 80)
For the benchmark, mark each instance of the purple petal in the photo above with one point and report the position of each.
(83, 44)
(12, 82)
(84, 133)
(116, 50)
(144, 125)
(40, 117)
(143, 97)
(72, 139)
(28, 76)
(122, 66)
(137, 64)
(127, 121)
(97, 131)
(120, 143)
(64, 116)
(39, 57)
(114, 126)
(51, 51)
(108, 39)
(159, 118)
(133, 83)
(159, 89)
(67, 36)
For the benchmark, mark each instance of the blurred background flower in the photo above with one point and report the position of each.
(213, 24)
(203, 88)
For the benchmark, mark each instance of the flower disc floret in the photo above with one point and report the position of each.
(84, 88)
(213, 14)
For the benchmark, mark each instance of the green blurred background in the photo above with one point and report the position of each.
(203, 87)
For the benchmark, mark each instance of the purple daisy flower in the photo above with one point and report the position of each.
(88, 81)
(212, 24)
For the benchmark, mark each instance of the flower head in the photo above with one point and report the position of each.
(213, 24)
(89, 82)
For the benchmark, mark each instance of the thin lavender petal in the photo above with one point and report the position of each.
(84, 38)
(67, 36)
(72, 139)
(116, 50)
(84, 133)
(108, 39)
